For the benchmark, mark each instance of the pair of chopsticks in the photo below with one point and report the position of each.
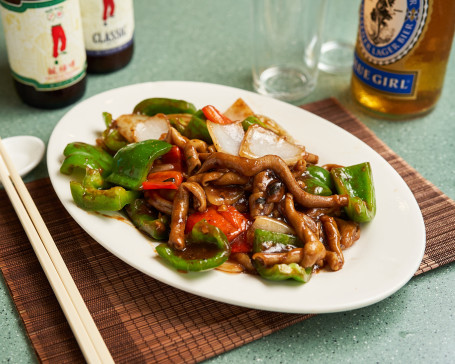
(81, 322)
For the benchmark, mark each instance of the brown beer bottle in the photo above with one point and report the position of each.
(108, 33)
(401, 55)
(45, 50)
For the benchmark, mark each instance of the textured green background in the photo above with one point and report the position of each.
(208, 41)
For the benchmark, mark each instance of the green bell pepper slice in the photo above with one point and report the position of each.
(179, 121)
(163, 105)
(147, 220)
(83, 155)
(318, 181)
(197, 129)
(93, 179)
(316, 187)
(357, 182)
(111, 137)
(108, 119)
(113, 140)
(266, 241)
(201, 234)
(200, 114)
(132, 163)
(92, 199)
(281, 272)
(252, 120)
(321, 174)
(84, 148)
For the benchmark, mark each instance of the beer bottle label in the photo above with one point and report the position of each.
(44, 42)
(388, 31)
(108, 25)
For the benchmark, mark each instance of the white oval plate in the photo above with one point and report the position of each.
(381, 262)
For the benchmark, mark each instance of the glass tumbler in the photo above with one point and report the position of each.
(339, 36)
(286, 47)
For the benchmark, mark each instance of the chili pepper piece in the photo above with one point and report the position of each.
(213, 218)
(232, 226)
(281, 272)
(163, 105)
(92, 199)
(133, 162)
(147, 220)
(236, 218)
(159, 185)
(240, 244)
(163, 180)
(174, 157)
(202, 233)
(357, 182)
(212, 114)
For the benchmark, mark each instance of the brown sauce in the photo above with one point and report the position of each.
(115, 217)
(198, 251)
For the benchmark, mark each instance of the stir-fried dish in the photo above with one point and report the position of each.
(231, 191)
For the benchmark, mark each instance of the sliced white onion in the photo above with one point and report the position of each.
(259, 142)
(137, 128)
(275, 127)
(271, 224)
(226, 137)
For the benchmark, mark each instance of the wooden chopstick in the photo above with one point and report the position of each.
(81, 322)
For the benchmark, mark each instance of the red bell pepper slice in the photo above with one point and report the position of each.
(212, 114)
(230, 221)
(174, 157)
(210, 215)
(170, 180)
(241, 244)
(236, 218)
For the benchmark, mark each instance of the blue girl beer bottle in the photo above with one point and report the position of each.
(401, 55)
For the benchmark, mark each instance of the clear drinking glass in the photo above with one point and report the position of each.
(339, 36)
(286, 47)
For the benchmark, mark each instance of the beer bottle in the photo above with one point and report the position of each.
(401, 55)
(45, 49)
(108, 33)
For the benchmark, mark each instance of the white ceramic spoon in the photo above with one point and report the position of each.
(25, 151)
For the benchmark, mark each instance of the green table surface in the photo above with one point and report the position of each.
(207, 41)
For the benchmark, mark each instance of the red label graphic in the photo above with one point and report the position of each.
(58, 36)
(108, 5)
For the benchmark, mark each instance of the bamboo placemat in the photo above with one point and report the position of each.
(143, 320)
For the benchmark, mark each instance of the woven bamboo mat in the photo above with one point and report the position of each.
(143, 320)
